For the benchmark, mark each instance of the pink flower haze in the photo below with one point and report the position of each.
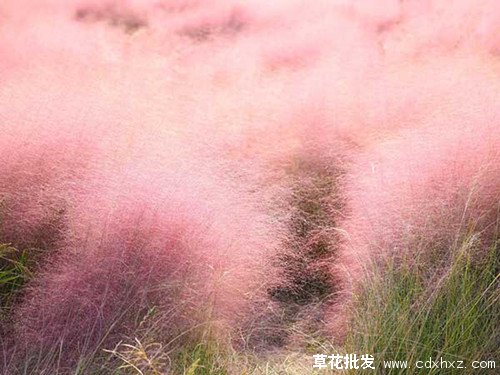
(147, 153)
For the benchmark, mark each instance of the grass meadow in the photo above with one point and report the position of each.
(232, 187)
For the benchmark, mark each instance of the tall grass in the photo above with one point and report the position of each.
(162, 157)
(401, 315)
(14, 272)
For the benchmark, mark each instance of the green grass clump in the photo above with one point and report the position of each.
(14, 272)
(402, 315)
(203, 358)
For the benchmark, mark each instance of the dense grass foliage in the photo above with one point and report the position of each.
(14, 272)
(402, 315)
(231, 186)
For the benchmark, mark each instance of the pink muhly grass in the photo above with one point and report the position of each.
(194, 254)
(39, 177)
(417, 197)
(176, 94)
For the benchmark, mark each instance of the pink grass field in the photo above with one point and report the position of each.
(147, 151)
